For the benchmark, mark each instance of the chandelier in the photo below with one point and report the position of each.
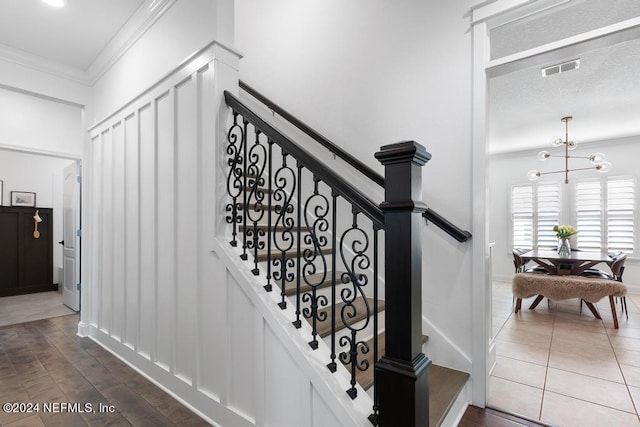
(597, 159)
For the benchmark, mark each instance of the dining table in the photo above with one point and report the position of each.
(575, 263)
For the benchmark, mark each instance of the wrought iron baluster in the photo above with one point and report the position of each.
(283, 237)
(244, 256)
(334, 233)
(317, 205)
(255, 210)
(374, 416)
(268, 286)
(235, 139)
(298, 323)
(357, 240)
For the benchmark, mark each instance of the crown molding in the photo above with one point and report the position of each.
(35, 62)
(39, 152)
(143, 19)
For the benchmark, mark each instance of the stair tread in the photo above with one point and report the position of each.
(276, 253)
(324, 326)
(313, 278)
(274, 227)
(445, 384)
(265, 206)
(249, 188)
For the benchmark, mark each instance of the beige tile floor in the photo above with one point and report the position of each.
(566, 368)
(26, 308)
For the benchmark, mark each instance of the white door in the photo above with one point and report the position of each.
(70, 236)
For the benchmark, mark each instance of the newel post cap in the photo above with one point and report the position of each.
(402, 152)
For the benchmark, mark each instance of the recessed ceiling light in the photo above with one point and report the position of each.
(54, 3)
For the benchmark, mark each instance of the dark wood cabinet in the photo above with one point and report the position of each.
(26, 263)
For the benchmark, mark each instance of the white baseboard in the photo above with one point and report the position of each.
(83, 329)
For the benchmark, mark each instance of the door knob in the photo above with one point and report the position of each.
(61, 242)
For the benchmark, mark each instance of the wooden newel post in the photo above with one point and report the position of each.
(402, 373)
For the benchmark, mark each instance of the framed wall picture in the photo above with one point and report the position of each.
(23, 198)
(1, 193)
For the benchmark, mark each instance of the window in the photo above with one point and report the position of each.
(605, 214)
(589, 215)
(535, 209)
(522, 216)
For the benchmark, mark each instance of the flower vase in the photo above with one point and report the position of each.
(564, 248)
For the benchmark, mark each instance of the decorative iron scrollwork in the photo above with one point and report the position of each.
(354, 243)
(284, 227)
(316, 209)
(305, 245)
(235, 139)
(255, 208)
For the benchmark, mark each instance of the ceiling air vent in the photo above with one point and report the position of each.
(561, 68)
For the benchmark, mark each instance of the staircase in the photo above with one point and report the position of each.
(315, 241)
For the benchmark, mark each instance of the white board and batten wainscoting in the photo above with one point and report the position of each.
(163, 292)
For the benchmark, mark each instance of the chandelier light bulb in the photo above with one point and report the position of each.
(543, 155)
(557, 141)
(596, 158)
(604, 167)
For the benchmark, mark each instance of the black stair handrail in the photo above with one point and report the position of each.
(430, 215)
(309, 161)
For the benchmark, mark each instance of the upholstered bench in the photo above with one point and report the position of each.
(557, 288)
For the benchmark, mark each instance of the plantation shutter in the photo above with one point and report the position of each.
(605, 211)
(620, 215)
(535, 209)
(548, 210)
(589, 221)
(522, 216)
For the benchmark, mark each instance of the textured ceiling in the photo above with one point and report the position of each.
(603, 95)
(569, 18)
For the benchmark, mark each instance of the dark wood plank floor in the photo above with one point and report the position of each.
(46, 362)
(487, 417)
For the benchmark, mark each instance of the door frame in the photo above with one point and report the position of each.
(77, 221)
(484, 16)
(52, 154)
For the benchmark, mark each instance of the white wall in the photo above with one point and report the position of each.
(161, 290)
(31, 121)
(368, 73)
(508, 169)
(186, 27)
(34, 79)
(33, 173)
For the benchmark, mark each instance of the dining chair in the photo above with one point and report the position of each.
(616, 265)
(520, 264)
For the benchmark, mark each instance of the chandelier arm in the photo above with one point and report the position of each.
(568, 170)
(596, 159)
(570, 157)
